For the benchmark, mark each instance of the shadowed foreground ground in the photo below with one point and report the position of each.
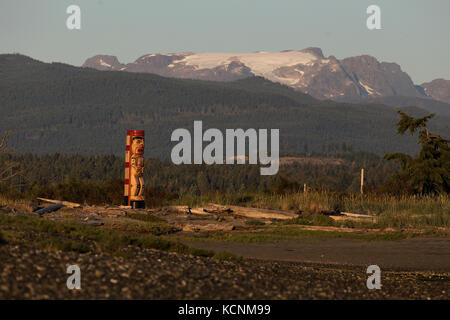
(29, 273)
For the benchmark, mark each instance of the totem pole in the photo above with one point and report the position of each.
(134, 169)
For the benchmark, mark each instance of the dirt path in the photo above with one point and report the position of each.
(427, 254)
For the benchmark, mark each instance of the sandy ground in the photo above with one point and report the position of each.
(425, 254)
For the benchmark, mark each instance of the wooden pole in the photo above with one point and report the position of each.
(362, 180)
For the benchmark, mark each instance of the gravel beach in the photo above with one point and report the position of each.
(30, 273)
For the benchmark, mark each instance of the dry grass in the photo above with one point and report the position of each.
(392, 211)
(21, 205)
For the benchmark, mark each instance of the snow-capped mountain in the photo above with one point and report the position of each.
(307, 70)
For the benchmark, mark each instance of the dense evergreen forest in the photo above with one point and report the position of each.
(70, 110)
(99, 178)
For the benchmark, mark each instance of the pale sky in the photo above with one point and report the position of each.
(414, 33)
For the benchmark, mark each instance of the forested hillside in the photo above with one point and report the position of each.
(99, 178)
(65, 109)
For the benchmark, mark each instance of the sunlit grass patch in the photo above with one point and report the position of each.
(226, 256)
(292, 232)
(144, 217)
(154, 228)
(82, 238)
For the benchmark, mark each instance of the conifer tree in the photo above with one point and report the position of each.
(429, 172)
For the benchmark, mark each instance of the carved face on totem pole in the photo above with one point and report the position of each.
(137, 146)
(137, 169)
(134, 169)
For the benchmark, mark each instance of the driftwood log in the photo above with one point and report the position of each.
(248, 212)
(357, 215)
(208, 227)
(51, 208)
(185, 210)
(257, 213)
(354, 216)
(64, 203)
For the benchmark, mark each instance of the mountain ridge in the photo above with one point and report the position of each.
(306, 70)
(66, 109)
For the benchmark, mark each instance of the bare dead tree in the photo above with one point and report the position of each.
(8, 169)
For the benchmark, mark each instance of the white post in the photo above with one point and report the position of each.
(362, 180)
